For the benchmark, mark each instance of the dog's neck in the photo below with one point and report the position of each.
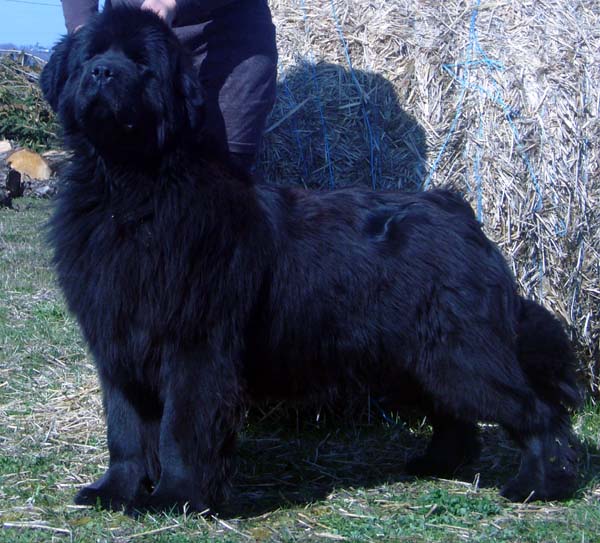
(146, 169)
(122, 173)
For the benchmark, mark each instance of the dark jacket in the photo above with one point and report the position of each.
(77, 12)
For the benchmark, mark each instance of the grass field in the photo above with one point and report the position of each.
(298, 479)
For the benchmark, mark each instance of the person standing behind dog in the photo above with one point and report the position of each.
(234, 50)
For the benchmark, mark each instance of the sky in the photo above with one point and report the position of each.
(26, 22)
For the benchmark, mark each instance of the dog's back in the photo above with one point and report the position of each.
(370, 280)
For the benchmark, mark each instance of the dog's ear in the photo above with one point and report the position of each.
(193, 95)
(185, 118)
(55, 73)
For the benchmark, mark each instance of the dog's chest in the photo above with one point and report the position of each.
(112, 274)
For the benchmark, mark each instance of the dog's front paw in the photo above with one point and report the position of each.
(174, 504)
(120, 487)
(422, 466)
(175, 498)
(517, 490)
(102, 495)
(434, 465)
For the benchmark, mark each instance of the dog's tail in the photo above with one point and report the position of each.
(546, 355)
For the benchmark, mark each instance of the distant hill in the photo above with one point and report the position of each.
(34, 50)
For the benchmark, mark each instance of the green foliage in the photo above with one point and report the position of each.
(446, 507)
(25, 117)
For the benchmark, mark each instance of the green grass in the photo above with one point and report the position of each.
(298, 479)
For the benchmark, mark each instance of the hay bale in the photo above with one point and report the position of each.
(498, 99)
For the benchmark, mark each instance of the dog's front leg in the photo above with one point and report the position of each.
(125, 482)
(201, 416)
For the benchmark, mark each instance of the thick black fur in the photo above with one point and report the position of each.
(199, 293)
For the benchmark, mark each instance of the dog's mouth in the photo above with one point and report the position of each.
(123, 133)
(101, 114)
(113, 129)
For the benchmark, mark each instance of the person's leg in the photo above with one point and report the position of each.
(246, 100)
(236, 56)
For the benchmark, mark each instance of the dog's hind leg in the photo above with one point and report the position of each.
(454, 443)
(493, 388)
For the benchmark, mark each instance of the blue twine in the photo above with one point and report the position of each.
(466, 65)
(295, 130)
(476, 173)
(560, 228)
(374, 147)
(508, 113)
(384, 415)
(541, 278)
(576, 309)
(490, 65)
(311, 62)
(584, 159)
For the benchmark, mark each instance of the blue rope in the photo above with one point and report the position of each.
(311, 62)
(541, 278)
(384, 415)
(374, 147)
(477, 174)
(482, 60)
(295, 130)
(447, 67)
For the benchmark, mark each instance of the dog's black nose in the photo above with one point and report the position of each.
(103, 73)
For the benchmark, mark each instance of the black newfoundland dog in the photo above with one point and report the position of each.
(199, 293)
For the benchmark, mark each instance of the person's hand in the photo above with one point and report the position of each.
(165, 9)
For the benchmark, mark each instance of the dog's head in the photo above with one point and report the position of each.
(124, 84)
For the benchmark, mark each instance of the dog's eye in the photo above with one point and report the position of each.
(139, 57)
(145, 71)
(140, 61)
(89, 55)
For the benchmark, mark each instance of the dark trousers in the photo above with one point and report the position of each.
(236, 56)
